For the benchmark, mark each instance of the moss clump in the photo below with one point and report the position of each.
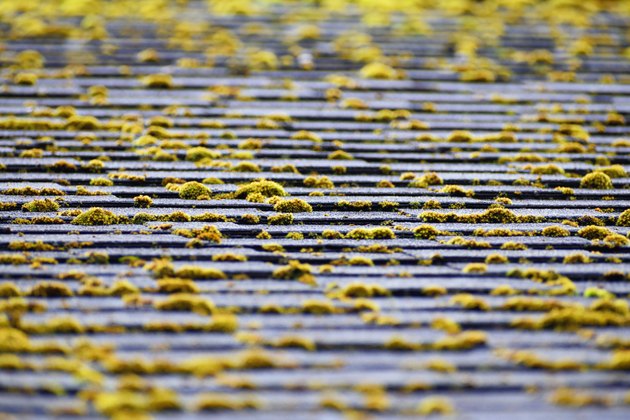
(373, 233)
(143, 201)
(331, 234)
(196, 154)
(576, 258)
(96, 216)
(249, 219)
(594, 232)
(51, 289)
(383, 233)
(292, 271)
(378, 70)
(195, 272)
(280, 219)
(426, 232)
(457, 191)
(478, 268)
(264, 187)
(468, 243)
(596, 180)
(355, 205)
(176, 285)
(340, 155)
(624, 218)
(614, 171)
(496, 258)
(555, 232)
(423, 181)
(28, 190)
(294, 205)
(318, 182)
(194, 190)
(43, 205)
(101, 182)
(246, 167)
(186, 302)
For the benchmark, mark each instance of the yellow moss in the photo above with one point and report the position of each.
(194, 190)
(306, 135)
(292, 271)
(295, 341)
(378, 70)
(318, 182)
(186, 302)
(468, 301)
(195, 272)
(596, 180)
(425, 180)
(96, 216)
(50, 289)
(574, 398)
(264, 187)
(435, 405)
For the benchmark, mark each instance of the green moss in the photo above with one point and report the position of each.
(264, 187)
(478, 268)
(96, 216)
(547, 170)
(426, 232)
(555, 232)
(101, 182)
(186, 302)
(28, 190)
(212, 181)
(496, 258)
(457, 191)
(624, 218)
(280, 219)
(51, 289)
(614, 171)
(594, 232)
(318, 182)
(355, 205)
(210, 217)
(196, 154)
(331, 234)
(468, 243)
(430, 178)
(294, 205)
(43, 205)
(292, 271)
(576, 258)
(8, 206)
(596, 180)
(195, 272)
(340, 155)
(142, 201)
(194, 190)
(246, 167)
(249, 219)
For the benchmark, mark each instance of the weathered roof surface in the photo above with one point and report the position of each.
(442, 223)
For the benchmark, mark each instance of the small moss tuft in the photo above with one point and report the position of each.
(194, 190)
(96, 216)
(262, 186)
(142, 201)
(596, 180)
(294, 205)
(42, 205)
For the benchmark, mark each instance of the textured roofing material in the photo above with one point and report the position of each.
(315, 209)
